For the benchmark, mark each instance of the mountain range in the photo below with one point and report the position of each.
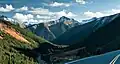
(60, 41)
(96, 37)
(81, 32)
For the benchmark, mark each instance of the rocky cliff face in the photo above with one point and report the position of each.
(53, 29)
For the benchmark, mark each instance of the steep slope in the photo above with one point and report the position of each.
(13, 37)
(42, 30)
(105, 37)
(53, 29)
(81, 32)
(12, 32)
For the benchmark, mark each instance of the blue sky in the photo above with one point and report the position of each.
(47, 10)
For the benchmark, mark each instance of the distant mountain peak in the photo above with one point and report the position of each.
(52, 29)
(64, 17)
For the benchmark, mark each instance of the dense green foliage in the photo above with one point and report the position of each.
(9, 55)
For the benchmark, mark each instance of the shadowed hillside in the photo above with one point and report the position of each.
(13, 36)
(103, 40)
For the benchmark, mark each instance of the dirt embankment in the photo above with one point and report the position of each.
(11, 31)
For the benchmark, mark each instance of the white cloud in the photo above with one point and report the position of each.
(93, 14)
(64, 13)
(24, 8)
(43, 17)
(39, 11)
(22, 18)
(7, 8)
(47, 14)
(90, 14)
(38, 15)
(56, 15)
(81, 1)
(29, 18)
(56, 4)
(114, 11)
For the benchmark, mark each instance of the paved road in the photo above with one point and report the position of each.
(108, 58)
